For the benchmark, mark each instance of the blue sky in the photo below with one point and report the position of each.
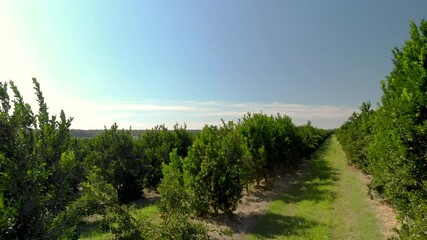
(143, 63)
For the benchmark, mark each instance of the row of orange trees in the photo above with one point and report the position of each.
(391, 142)
(222, 161)
(49, 181)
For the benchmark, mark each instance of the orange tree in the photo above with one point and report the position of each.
(213, 170)
(36, 170)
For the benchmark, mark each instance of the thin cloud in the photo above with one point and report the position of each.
(90, 114)
(146, 114)
(147, 107)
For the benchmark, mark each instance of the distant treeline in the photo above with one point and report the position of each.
(391, 142)
(50, 181)
(90, 133)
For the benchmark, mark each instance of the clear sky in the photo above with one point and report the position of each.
(143, 63)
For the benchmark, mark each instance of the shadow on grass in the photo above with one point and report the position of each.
(264, 225)
(313, 184)
(145, 202)
(90, 228)
(273, 225)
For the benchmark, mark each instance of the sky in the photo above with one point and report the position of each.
(144, 63)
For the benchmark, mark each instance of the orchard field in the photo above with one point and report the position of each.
(55, 186)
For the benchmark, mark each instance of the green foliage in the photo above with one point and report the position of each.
(392, 140)
(183, 139)
(258, 133)
(121, 220)
(96, 196)
(178, 227)
(154, 147)
(311, 138)
(174, 197)
(356, 134)
(287, 141)
(276, 142)
(35, 170)
(113, 152)
(213, 169)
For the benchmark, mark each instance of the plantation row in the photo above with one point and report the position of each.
(50, 181)
(390, 142)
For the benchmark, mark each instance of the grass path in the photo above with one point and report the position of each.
(329, 201)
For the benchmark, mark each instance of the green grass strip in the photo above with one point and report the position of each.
(327, 202)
